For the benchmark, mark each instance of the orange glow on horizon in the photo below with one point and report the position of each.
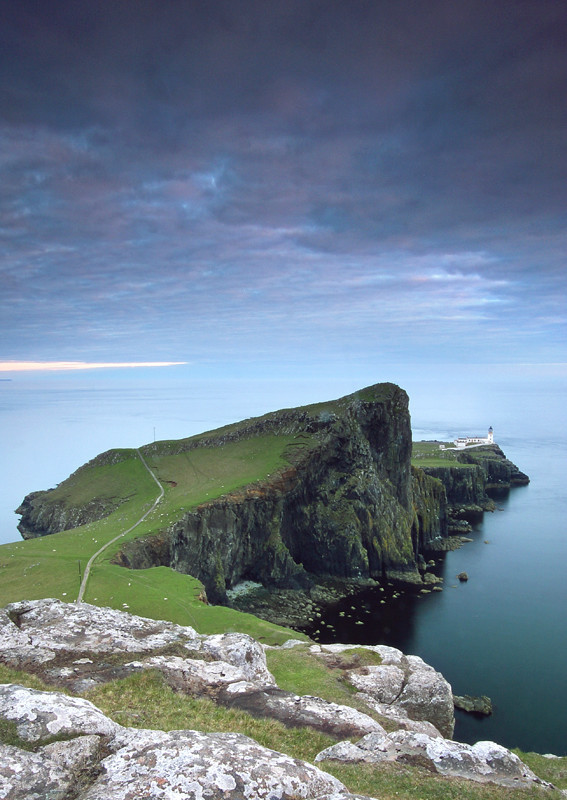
(67, 366)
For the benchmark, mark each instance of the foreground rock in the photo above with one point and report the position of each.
(78, 646)
(484, 762)
(403, 688)
(104, 761)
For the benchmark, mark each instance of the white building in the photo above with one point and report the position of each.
(466, 441)
(470, 441)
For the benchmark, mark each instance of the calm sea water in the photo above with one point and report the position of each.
(503, 633)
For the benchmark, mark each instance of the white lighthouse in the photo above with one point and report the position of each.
(474, 441)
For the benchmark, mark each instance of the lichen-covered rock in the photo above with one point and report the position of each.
(384, 683)
(31, 776)
(42, 715)
(404, 684)
(76, 755)
(241, 651)
(300, 711)
(52, 625)
(195, 677)
(371, 749)
(215, 766)
(399, 716)
(483, 762)
(104, 761)
(428, 696)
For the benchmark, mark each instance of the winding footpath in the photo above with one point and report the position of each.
(92, 559)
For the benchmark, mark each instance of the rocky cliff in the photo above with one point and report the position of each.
(52, 510)
(340, 500)
(472, 479)
(348, 505)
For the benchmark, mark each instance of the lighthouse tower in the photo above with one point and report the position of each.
(490, 436)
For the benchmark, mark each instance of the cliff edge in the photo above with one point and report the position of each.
(336, 496)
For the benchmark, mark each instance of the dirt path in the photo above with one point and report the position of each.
(135, 525)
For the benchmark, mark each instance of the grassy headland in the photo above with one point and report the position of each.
(51, 566)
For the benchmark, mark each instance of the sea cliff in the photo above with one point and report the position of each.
(349, 505)
(285, 500)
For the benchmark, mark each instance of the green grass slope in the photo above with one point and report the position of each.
(51, 566)
(117, 486)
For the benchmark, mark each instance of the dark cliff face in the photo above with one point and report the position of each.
(478, 474)
(463, 486)
(351, 507)
(41, 518)
(348, 503)
(500, 473)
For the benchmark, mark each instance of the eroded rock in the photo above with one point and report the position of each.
(384, 683)
(473, 705)
(484, 762)
(124, 763)
(195, 677)
(301, 711)
(43, 715)
(241, 651)
(405, 684)
(31, 776)
(53, 626)
(216, 766)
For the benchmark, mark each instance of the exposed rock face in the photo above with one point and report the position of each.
(104, 761)
(464, 487)
(98, 758)
(403, 687)
(350, 507)
(473, 705)
(68, 645)
(42, 515)
(501, 473)
(300, 712)
(482, 762)
(38, 717)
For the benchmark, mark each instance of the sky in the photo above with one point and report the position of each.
(282, 187)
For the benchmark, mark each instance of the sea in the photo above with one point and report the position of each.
(503, 633)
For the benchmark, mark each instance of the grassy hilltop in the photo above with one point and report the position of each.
(116, 484)
(51, 566)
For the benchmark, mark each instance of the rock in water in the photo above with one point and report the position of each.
(474, 705)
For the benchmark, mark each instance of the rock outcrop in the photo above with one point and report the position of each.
(101, 760)
(347, 505)
(483, 762)
(350, 507)
(48, 511)
(472, 480)
(63, 747)
(402, 688)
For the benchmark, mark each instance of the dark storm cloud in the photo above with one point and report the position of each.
(207, 177)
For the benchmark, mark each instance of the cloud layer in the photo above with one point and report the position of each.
(303, 183)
